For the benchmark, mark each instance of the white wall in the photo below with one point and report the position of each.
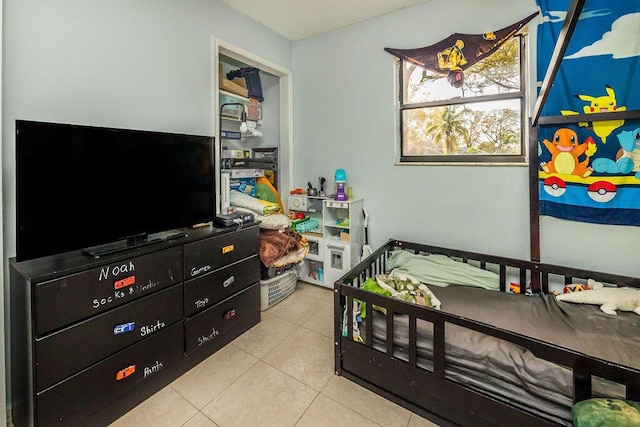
(143, 64)
(344, 117)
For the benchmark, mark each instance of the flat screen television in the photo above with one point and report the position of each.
(82, 187)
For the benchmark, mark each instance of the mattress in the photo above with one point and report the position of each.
(511, 373)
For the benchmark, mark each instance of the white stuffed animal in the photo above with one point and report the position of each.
(609, 299)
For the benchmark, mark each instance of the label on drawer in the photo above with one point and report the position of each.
(207, 336)
(149, 329)
(152, 369)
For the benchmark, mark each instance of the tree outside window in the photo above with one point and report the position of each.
(479, 122)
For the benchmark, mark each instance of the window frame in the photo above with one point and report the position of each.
(467, 159)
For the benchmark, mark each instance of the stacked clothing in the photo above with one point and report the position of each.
(252, 76)
(280, 246)
(257, 206)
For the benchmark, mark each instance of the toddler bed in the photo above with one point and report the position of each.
(486, 357)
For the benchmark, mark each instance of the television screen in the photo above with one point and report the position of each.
(82, 186)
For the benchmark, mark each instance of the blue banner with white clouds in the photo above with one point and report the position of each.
(590, 171)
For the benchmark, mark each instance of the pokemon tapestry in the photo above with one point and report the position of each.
(590, 171)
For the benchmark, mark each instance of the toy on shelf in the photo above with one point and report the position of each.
(296, 215)
(341, 180)
(304, 224)
(343, 222)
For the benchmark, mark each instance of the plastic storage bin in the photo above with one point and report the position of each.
(274, 290)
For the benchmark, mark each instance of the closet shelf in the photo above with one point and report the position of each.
(233, 95)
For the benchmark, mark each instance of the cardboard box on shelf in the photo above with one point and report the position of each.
(246, 173)
(237, 86)
(254, 110)
(244, 185)
(230, 134)
(235, 154)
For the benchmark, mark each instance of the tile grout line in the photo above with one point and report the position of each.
(355, 410)
(225, 388)
(306, 409)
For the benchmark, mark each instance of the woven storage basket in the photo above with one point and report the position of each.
(274, 290)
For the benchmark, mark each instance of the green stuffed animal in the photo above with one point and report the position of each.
(403, 287)
(602, 412)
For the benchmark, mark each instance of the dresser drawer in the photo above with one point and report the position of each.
(84, 393)
(71, 298)
(206, 255)
(204, 327)
(205, 291)
(70, 350)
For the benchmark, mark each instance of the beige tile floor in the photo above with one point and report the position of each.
(279, 373)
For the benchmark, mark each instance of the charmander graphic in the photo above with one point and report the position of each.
(566, 152)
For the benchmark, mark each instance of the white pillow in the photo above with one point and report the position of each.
(275, 221)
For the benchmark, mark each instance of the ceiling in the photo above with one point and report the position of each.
(298, 19)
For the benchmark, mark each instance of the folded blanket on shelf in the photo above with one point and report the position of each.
(274, 244)
(261, 207)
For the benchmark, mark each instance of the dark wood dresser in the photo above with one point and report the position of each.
(92, 338)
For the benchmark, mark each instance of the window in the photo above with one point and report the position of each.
(481, 121)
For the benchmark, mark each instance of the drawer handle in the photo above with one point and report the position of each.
(340, 248)
(124, 373)
(229, 314)
(124, 328)
(229, 281)
(127, 281)
(227, 249)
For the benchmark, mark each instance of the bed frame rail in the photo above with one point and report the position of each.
(421, 390)
(525, 271)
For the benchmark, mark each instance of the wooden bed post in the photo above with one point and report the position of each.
(558, 53)
(534, 188)
(534, 196)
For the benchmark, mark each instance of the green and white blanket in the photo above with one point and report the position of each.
(403, 287)
(440, 270)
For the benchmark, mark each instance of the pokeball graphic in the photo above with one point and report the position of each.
(554, 186)
(602, 191)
